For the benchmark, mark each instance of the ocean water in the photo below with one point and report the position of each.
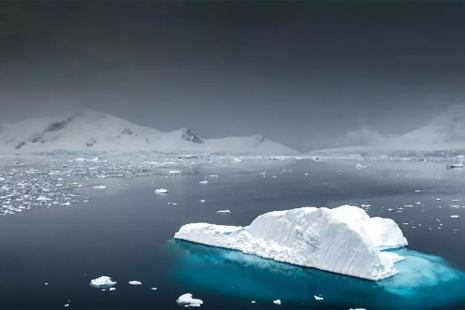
(126, 233)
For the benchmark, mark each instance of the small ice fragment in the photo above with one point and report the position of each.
(253, 301)
(112, 289)
(172, 203)
(358, 166)
(357, 309)
(46, 283)
(455, 216)
(202, 200)
(100, 187)
(43, 198)
(318, 297)
(102, 282)
(153, 288)
(103, 290)
(203, 182)
(417, 191)
(174, 172)
(213, 176)
(438, 199)
(305, 173)
(187, 301)
(135, 283)
(277, 302)
(223, 211)
(365, 205)
(66, 305)
(161, 191)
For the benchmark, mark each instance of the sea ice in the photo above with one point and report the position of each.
(112, 289)
(102, 282)
(188, 301)
(203, 182)
(318, 297)
(277, 302)
(161, 191)
(223, 211)
(343, 240)
(100, 187)
(135, 283)
(202, 200)
(455, 216)
(174, 172)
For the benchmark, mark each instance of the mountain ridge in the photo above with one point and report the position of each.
(96, 131)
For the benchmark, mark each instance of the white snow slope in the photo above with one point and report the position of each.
(94, 131)
(343, 240)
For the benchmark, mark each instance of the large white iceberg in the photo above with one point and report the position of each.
(342, 240)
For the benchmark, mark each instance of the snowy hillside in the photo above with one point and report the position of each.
(94, 131)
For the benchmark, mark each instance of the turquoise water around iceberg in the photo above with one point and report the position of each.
(424, 281)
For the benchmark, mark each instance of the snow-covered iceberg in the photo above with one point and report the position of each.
(342, 240)
(102, 282)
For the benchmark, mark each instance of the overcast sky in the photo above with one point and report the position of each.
(301, 73)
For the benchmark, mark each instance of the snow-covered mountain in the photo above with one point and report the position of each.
(444, 135)
(95, 131)
(448, 128)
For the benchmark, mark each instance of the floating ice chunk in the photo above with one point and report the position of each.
(213, 176)
(223, 211)
(153, 288)
(100, 187)
(43, 198)
(46, 283)
(172, 203)
(203, 182)
(417, 191)
(343, 240)
(102, 282)
(112, 289)
(174, 172)
(66, 305)
(161, 191)
(438, 199)
(202, 200)
(238, 160)
(455, 216)
(135, 283)
(359, 166)
(277, 302)
(318, 297)
(253, 301)
(365, 205)
(357, 309)
(187, 301)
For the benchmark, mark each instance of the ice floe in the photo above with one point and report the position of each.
(188, 301)
(102, 282)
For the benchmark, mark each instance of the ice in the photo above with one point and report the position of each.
(66, 305)
(343, 240)
(455, 216)
(203, 182)
(153, 288)
(43, 198)
(223, 211)
(135, 283)
(277, 302)
(202, 200)
(161, 191)
(100, 187)
(172, 203)
(359, 166)
(318, 297)
(112, 289)
(102, 282)
(174, 172)
(188, 301)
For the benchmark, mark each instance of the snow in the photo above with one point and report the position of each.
(102, 282)
(161, 191)
(343, 240)
(135, 283)
(95, 131)
(277, 302)
(188, 301)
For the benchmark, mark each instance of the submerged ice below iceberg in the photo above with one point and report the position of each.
(424, 281)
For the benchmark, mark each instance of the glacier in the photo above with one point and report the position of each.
(343, 240)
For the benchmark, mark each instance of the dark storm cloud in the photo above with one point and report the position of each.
(301, 73)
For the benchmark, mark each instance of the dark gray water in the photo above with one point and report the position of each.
(125, 234)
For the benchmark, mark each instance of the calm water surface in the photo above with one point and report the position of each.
(126, 233)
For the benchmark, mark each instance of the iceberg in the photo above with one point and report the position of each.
(161, 191)
(102, 282)
(135, 283)
(343, 240)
